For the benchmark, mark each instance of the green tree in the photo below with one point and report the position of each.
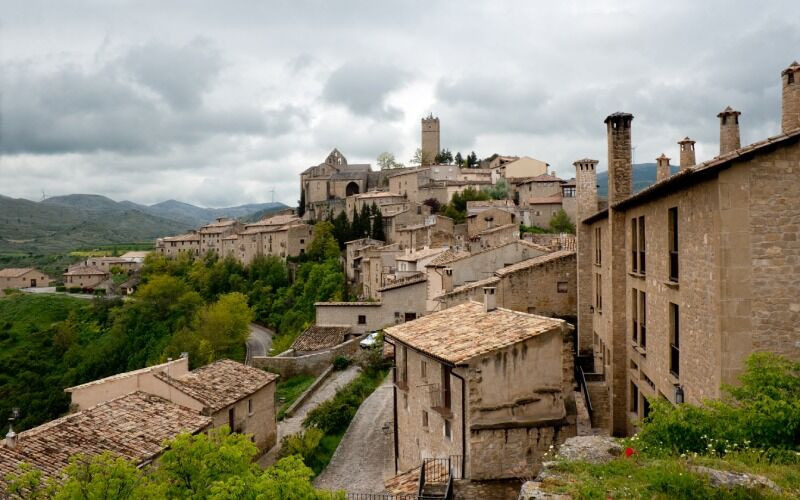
(387, 161)
(459, 160)
(106, 477)
(301, 205)
(422, 158)
(499, 191)
(444, 157)
(472, 160)
(560, 223)
(377, 225)
(323, 246)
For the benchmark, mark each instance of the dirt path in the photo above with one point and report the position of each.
(293, 424)
(365, 457)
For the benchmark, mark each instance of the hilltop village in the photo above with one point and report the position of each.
(519, 312)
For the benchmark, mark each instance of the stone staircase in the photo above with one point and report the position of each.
(601, 407)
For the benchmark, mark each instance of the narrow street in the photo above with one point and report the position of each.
(365, 457)
(293, 425)
(259, 342)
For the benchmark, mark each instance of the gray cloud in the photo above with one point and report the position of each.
(363, 88)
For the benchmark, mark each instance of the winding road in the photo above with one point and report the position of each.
(259, 342)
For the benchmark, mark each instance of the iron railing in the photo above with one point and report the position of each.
(580, 377)
(380, 496)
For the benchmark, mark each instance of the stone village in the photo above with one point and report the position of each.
(504, 343)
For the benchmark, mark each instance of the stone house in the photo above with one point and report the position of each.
(544, 285)
(133, 426)
(487, 387)
(324, 187)
(353, 249)
(379, 198)
(84, 277)
(22, 277)
(413, 262)
(228, 392)
(539, 186)
(400, 217)
(679, 283)
(524, 166)
(172, 246)
(406, 183)
(493, 237)
(317, 338)
(443, 191)
(454, 268)
(539, 211)
(211, 235)
(489, 218)
(435, 230)
(108, 263)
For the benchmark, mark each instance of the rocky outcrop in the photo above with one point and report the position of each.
(728, 479)
(531, 490)
(594, 449)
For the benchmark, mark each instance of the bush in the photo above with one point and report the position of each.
(340, 363)
(762, 414)
(74, 289)
(61, 288)
(334, 415)
(100, 291)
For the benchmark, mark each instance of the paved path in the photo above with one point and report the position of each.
(293, 425)
(365, 457)
(259, 342)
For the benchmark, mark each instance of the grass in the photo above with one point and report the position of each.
(290, 389)
(663, 478)
(282, 342)
(25, 314)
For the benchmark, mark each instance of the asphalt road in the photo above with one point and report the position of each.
(260, 341)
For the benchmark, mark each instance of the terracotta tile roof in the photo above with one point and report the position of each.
(448, 256)
(378, 194)
(546, 200)
(452, 256)
(411, 280)
(421, 254)
(538, 178)
(320, 337)
(460, 333)
(472, 285)
(231, 237)
(183, 237)
(14, 272)
(536, 261)
(221, 383)
(275, 220)
(135, 254)
(496, 229)
(353, 304)
(84, 271)
(133, 426)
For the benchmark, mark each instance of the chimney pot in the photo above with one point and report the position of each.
(687, 153)
(662, 168)
(729, 139)
(489, 298)
(11, 437)
(620, 164)
(790, 103)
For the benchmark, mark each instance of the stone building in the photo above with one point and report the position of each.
(84, 276)
(133, 426)
(211, 235)
(489, 388)
(434, 231)
(679, 283)
(431, 145)
(524, 166)
(22, 277)
(490, 218)
(228, 392)
(172, 246)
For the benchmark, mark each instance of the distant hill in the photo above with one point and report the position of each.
(63, 223)
(644, 175)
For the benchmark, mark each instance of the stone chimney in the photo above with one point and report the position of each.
(729, 131)
(489, 298)
(620, 176)
(586, 187)
(687, 153)
(790, 107)
(662, 168)
(11, 436)
(447, 279)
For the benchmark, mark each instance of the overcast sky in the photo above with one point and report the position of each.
(217, 103)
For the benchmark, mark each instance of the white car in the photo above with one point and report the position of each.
(369, 341)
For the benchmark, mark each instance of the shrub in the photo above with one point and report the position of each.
(61, 288)
(334, 415)
(100, 291)
(340, 363)
(74, 289)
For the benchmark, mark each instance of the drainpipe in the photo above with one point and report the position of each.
(394, 404)
(463, 423)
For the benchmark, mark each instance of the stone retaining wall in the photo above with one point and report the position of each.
(288, 365)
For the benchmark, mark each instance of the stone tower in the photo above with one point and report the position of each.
(662, 168)
(430, 139)
(729, 131)
(687, 153)
(586, 187)
(620, 178)
(790, 108)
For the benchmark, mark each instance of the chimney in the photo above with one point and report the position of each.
(12, 439)
(489, 299)
(687, 153)
(662, 168)
(620, 182)
(447, 280)
(790, 107)
(586, 187)
(729, 131)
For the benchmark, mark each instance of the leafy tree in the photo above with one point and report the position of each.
(560, 223)
(323, 247)
(106, 476)
(472, 160)
(444, 157)
(342, 230)
(459, 160)
(377, 225)
(301, 205)
(434, 204)
(387, 161)
(422, 158)
(499, 191)
(460, 200)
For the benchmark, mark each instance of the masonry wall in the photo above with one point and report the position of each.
(487, 219)
(548, 289)
(253, 415)
(24, 281)
(541, 213)
(347, 313)
(416, 441)
(309, 364)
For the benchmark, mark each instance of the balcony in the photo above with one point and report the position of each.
(439, 400)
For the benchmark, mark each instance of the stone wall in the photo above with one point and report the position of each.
(287, 365)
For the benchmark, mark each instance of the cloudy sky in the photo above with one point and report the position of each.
(219, 103)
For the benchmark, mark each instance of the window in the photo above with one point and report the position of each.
(249, 406)
(410, 316)
(598, 292)
(424, 418)
(672, 222)
(634, 399)
(405, 401)
(568, 192)
(642, 319)
(446, 387)
(674, 340)
(634, 245)
(635, 313)
(598, 252)
(561, 287)
(362, 319)
(423, 368)
(302, 241)
(231, 419)
(447, 432)
(646, 407)
(641, 245)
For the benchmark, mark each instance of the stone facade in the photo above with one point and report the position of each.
(662, 167)
(488, 219)
(687, 153)
(729, 139)
(790, 111)
(22, 278)
(430, 139)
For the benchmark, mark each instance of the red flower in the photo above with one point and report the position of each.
(629, 451)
